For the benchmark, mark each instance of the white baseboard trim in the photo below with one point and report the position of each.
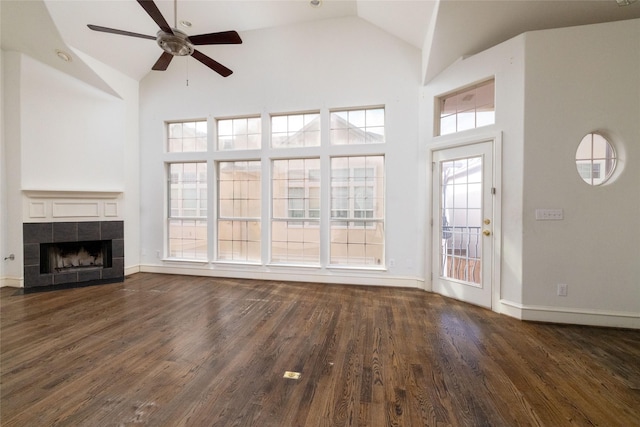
(576, 316)
(291, 274)
(13, 282)
(131, 270)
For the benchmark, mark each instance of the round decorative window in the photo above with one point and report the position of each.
(595, 159)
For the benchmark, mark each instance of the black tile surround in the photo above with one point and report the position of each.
(54, 232)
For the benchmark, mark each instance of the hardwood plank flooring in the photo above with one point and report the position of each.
(162, 350)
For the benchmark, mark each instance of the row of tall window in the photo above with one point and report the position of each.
(312, 197)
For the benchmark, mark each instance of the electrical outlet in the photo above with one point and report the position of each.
(562, 289)
(157, 254)
(392, 262)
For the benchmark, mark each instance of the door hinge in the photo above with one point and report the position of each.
(493, 190)
(433, 166)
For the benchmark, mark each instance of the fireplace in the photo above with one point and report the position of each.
(73, 253)
(74, 256)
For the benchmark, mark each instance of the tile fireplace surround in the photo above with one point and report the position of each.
(42, 233)
(72, 237)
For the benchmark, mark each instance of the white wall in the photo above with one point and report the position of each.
(581, 80)
(3, 180)
(62, 134)
(130, 160)
(319, 65)
(11, 187)
(72, 134)
(552, 88)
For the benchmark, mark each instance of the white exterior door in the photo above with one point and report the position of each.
(463, 222)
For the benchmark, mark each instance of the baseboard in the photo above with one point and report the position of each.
(590, 317)
(131, 270)
(13, 282)
(291, 274)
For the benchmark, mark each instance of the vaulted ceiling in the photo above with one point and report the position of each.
(444, 30)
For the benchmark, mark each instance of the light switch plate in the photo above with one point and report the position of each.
(549, 214)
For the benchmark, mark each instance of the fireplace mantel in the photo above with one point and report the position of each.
(47, 205)
(72, 194)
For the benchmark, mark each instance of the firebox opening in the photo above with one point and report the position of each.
(73, 256)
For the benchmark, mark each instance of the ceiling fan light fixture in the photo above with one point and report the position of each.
(315, 3)
(625, 2)
(176, 44)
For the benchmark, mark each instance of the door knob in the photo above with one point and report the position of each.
(486, 232)
(487, 221)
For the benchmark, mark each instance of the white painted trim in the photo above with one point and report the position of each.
(62, 205)
(72, 194)
(12, 282)
(342, 277)
(576, 316)
(131, 270)
(473, 136)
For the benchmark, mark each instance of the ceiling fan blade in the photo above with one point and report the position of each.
(150, 7)
(163, 62)
(121, 32)
(224, 37)
(214, 65)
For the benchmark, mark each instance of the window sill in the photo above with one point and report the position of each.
(357, 268)
(186, 260)
(284, 265)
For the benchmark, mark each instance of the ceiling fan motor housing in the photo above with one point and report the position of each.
(177, 44)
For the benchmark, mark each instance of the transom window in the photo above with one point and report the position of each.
(240, 134)
(357, 126)
(295, 130)
(187, 136)
(469, 108)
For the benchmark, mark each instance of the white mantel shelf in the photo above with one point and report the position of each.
(46, 205)
(72, 194)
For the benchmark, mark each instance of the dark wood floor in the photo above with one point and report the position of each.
(163, 350)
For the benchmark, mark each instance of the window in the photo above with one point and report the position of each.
(295, 233)
(357, 126)
(187, 136)
(341, 202)
(357, 210)
(239, 196)
(187, 219)
(295, 130)
(469, 108)
(595, 159)
(240, 133)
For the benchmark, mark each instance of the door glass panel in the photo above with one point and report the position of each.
(461, 219)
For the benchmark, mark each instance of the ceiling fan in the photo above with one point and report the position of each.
(175, 42)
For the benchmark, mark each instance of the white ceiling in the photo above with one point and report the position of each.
(446, 30)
